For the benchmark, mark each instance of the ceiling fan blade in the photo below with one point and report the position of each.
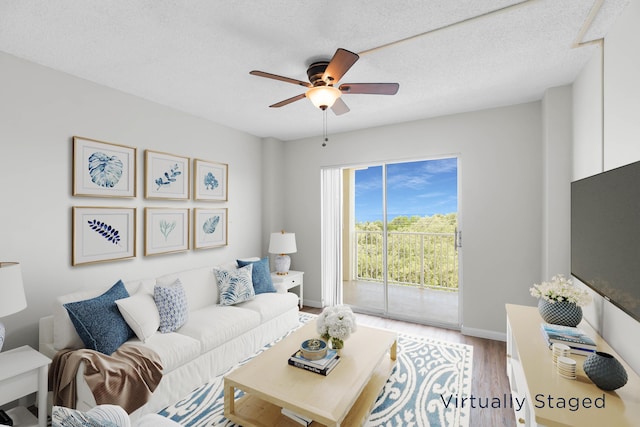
(340, 63)
(288, 101)
(370, 88)
(339, 107)
(281, 78)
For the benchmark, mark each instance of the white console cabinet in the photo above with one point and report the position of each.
(551, 400)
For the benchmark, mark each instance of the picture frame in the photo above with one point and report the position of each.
(103, 234)
(166, 230)
(210, 180)
(103, 169)
(210, 228)
(166, 176)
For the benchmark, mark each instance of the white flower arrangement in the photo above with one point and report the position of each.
(560, 289)
(336, 323)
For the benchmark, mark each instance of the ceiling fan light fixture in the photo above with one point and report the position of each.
(323, 97)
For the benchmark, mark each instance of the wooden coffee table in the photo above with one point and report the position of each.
(344, 397)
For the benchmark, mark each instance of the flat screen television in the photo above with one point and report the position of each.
(605, 235)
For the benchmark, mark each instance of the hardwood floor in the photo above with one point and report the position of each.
(489, 365)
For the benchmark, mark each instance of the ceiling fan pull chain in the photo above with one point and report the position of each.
(325, 138)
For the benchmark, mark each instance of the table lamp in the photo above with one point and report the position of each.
(12, 299)
(282, 243)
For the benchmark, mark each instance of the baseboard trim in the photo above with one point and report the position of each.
(484, 333)
(314, 304)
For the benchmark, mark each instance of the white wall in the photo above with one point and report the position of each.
(40, 111)
(614, 90)
(273, 206)
(557, 138)
(501, 199)
(622, 90)
(587, 148)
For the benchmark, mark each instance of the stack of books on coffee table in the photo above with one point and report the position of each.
(320, 366)
(300, 419)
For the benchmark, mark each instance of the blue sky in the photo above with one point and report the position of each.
(419, 188)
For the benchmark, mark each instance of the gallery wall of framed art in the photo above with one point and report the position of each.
(108, 233)
(210, 180)
(103, 169)
(103, 234)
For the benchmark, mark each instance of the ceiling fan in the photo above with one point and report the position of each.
(323, 76)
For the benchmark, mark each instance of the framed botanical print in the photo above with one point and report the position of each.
(103, 169)
(166, 176)
(210, 181)
(166, 230)
(210, 228)
(103, 234)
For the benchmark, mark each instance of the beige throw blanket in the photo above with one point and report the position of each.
(127, 378)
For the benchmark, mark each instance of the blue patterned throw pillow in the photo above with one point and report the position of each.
(261, 276)
(66, 417)
(235, 285)
(172, 306)
(99, 322)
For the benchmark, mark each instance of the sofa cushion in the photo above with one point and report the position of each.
(271, 305)
(173, 348)
(171, 301)
(215, 325)
(99, 322)
(235, 286)
(199, 284)
(141, 313)
(260, 275)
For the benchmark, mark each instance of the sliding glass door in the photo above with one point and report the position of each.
(401, 252)
(364, 286)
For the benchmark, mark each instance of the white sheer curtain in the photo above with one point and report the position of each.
(331, 230)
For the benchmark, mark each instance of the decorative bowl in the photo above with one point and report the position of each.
(313, 349)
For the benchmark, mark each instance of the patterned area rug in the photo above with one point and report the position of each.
(429, 376)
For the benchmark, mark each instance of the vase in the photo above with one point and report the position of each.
(337, 343)
(605, 371)
(560, 313)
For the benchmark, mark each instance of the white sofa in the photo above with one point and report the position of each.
(214, 339)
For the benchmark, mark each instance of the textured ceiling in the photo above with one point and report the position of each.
(195, 55)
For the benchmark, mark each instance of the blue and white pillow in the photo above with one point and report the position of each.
(100, 416)
(235, 286)
(172, 306)
(261, 276)
(99, 322)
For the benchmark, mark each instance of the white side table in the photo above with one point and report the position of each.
(284, 283)
(23, 371)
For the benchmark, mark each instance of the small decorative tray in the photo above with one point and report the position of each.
(313, 349)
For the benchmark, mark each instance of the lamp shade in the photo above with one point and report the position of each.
(323, 97)
(282, 243)
(12, 299)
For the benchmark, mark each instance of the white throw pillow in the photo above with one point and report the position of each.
(141, 314)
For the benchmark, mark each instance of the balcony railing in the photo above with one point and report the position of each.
(427, 260)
